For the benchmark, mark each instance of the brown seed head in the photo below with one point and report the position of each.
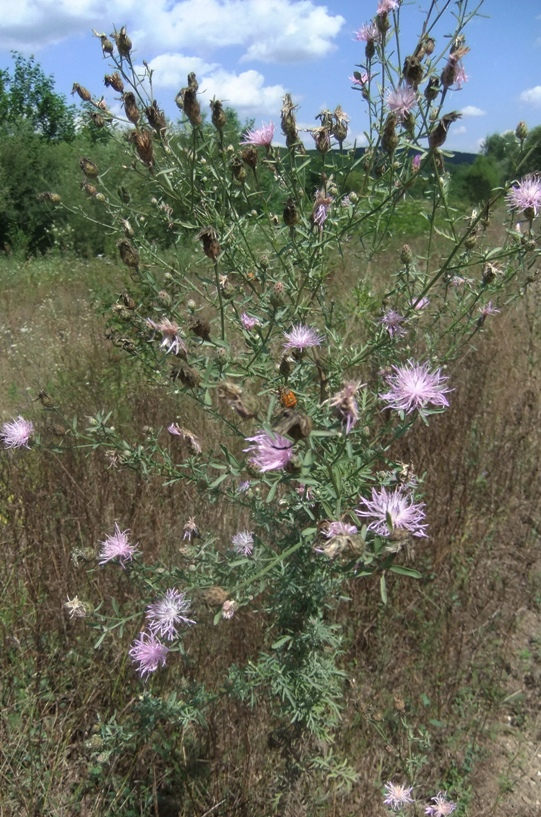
(187, 375)
(123, 42)
(130, 107)
(142, 140)
(211, 245)
(249, 156)
(413, 71)
(389, 139)
(89, 168)
(438, 135)
(114, 81)
(290, 214)
(218, 117)
(128, 253)
(237, 168)
(432, 89)
(199, 326)
(84, 94)
(156, 118)
(89, 189)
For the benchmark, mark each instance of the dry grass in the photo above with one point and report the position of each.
(428, 675)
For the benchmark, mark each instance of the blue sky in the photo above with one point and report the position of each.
(249, 52)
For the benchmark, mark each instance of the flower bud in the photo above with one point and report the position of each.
(406, 255)
(521, 131)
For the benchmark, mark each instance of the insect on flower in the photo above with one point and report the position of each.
(287, 397)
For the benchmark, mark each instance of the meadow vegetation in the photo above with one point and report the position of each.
(273, 548)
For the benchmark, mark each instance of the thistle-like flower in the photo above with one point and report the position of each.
(385, 6)
(243, 543)
(249, 322)
(117, 546)
(261, 137)
(191, 531)
(165, 615)
(302, 337)
(401, 101)
(346, 405)
(414, 386)
(340, 529)
(171, 340)
(17, 433)
(397, 795)
(441, 806)
(526, 195)
(488, 309)
(149, 653)
(392, 511)
(368, 33)
(393, 321)
(270, 452)
(321, 209)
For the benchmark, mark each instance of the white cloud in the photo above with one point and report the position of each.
(532, 96)
(264, 30)
(472, 110)
(171, 70)
(460, 130)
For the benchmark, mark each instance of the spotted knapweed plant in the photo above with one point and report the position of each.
(248, 296)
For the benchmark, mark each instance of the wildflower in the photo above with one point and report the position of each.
(17, 433)
(416, 162)
(77, 608)
(419, 303)
(244, 486)
(243, 543)
(302, 337)
(392, 322)
(526, 195)
(414, 386)
(368, 33)
(442, 807)
(385, 6)
(401, 101)
(271, 452)
(149, 653)
(488, 309)
(340, 529)
(228, 608)
(117, 546)
(166, 614)
(397, 795)
(187, 435)
(460, 76)
(262, 137)
(191, 531)
(359, 79)
(249, 322)
(321, 209)
(457, 281)
(171, 340)
(393, 510)
(346, 404)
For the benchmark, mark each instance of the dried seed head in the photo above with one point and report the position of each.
(237, 168)
(290, 214)
(130, 107)
(438, 135)
(199, 326)
(432, 89)
(156, 118)
(54, 198)
(249, 156)
(84, 94)
(89, 168)
(142, 140)
(106, 44)
(186, 101)
(123, 42)
(218, 117)
(413, 71)
(322, 138)
(128, 253)
(211, 245)
(186, 374)
(89, 189)
(97, 119)
(114, 81)
(214, 595)
(389, 139)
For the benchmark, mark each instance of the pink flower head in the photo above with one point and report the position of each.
(385, 6)
(392, 321)
(361, 80)
(401, 101)
(321, 209)
(442, 807)
(488, 309)
(249, 322)
(416, 162)
(346, 405)
(17, 433)
(167, 614)
(457, 281)
(397, 795)
(243, 543)
(191, 531)
(419, 303)
(414, 386)
(460, 77)
(171, 340)
(368, 33)
(302, 337)
(193, 442)
(340, 529)
(393, 510)
(117, 546)
(271, 452)
(261, 138)
(526, 195)
(149, 653)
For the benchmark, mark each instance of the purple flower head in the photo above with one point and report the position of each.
(165, 615)
(392, 321)
(244, 486)
(261, 138)
(191, 531)
(340, 529)
(117, 546)
(368, 33)
(414, 386)
(526, 195)
(393, 510)
(488, 309)
(401, 101)
(302, 337)
(149, 653)
(243, 543)
(442, 807)
(416, 162)
(361, 80)
(321, 209)
(271, 452)
(17, 433)
(346, 405)
(397, 795)
(460, 77)
(249, 322)
(385, 6)
(457, 281)
(171, 340)
(420, 303)
(177, 431)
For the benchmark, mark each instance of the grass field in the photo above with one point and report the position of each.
(442, 683)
